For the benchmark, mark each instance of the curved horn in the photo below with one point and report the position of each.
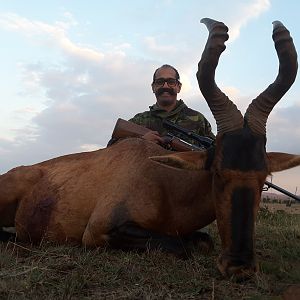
(226, 114)
(260, 108)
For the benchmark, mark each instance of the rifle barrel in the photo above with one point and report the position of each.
(283, 191)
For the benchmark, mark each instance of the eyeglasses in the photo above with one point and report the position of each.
(171, 82)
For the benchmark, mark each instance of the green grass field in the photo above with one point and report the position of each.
(48, 271)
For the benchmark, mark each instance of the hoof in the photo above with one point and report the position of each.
(239, 272)
(202, 241)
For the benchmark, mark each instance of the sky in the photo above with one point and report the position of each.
(70, 69)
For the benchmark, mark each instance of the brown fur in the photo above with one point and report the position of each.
(79, 198)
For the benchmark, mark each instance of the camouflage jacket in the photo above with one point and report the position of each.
(181, 115)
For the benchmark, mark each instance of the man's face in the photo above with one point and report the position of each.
(166, 87)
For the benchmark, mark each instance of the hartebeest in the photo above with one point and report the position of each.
(118, 196)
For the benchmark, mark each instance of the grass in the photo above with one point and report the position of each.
(61, 272)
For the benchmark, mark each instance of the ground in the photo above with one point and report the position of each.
(273, 207)
(48, 271)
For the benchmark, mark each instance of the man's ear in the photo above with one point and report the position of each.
(152, 87)
(190, 160)
(179, 87)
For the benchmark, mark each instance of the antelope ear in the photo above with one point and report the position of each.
(282, 161)
(190, 160)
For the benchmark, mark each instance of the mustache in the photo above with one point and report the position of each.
(162, 90)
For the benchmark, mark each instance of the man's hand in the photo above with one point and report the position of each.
(154, 137)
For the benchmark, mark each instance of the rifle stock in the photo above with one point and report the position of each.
(125, 129)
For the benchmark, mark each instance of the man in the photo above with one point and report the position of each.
(166, 85)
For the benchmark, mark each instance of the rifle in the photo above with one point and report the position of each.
(280, 189)
(125, 129)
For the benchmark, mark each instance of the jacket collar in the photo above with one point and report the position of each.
(156, 110)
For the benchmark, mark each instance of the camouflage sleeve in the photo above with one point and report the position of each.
(140, 119)
(143, 119)
(204, 127)
(208, 131)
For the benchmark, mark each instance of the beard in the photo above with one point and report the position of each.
(165, 102)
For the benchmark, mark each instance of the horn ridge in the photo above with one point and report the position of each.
(258, 111)
(226, 114)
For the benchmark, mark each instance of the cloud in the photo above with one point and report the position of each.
(89, 147)
(85, 96)
(51, 35)
(234, 94)
(246, 13)
(153, 46)
(282, 133)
